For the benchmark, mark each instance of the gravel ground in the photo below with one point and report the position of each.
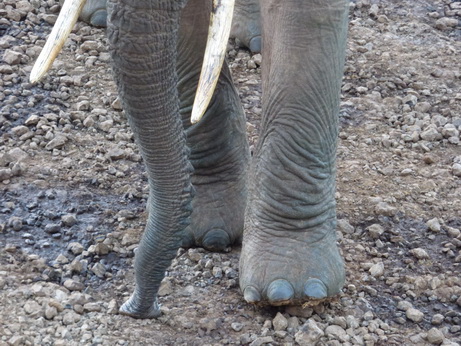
(73, 190)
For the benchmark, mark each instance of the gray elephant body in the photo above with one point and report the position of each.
(201, 190)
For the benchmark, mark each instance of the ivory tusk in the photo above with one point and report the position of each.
(218, 35)
(61, 30)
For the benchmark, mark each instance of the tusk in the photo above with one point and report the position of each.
(61, 30)
(218, 35)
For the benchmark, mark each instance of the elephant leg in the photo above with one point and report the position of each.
(144, 64)
(218, 147)
(246, 25)
(289, 252)
(95, 13)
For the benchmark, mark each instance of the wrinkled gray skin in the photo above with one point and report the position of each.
(201, 190)
(245, 25)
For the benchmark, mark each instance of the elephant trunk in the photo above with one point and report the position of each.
(143, 39)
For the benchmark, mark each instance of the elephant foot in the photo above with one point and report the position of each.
(95, 13)
(130, 308)
(217, 216)
(246, 25)
(290, 267)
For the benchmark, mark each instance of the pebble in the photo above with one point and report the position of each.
(434, 225)
(377, 269)
(435, 336)
(262, 340)
(73, 285)
(236, 326)
(309, 333)
(414, 315)
(75, 247)
(375, 230)
(280, 322)
(419, 253)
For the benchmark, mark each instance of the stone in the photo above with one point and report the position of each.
(73, 285)
(262, 341)
(414, 315)
(236, 326)
(17, 155)
(57, 142)
(377, 269)
(435, 336)
(50, 312)
(11, 57)
(31, 307)
(431, 134)
(383, 208)
(433, 225)
(92, 307)
(309, 333)
(69, 220)
(279, 322)
(456, 169)
(419, 253)
(75, 247)
(375, 230)
(99, 270)
(337, 332)
(437, 319)
(344, 226)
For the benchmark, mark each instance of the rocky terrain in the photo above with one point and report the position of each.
(73, 190)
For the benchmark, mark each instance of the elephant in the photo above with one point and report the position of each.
(246, 24)
(205, 189)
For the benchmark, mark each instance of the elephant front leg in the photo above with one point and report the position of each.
(218, 147)
(289, 252)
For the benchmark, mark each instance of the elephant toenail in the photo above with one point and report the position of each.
(187, 240)
(251, 295)
(216, 240)
(279, 292)
(255, 45)
(314, 288)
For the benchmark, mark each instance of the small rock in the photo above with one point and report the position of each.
(309, 334)
(383, 208)
(92, 307)
(236, 326)
(337, 332)
(437, 319)
(166, 288)
(61, 259)
(414, 315)
(73, 285)
(279, 322)
(112, 307)
(31, 307)
(435, 336)
(106, 125)
(344, 226)
(456, 169)
(375, 230)
(99, 270)
(419, 253)
(69, 220)
(52, 228)
(57, 142)
(75, 247)
(257, 58)
(50, 312)
(377, 269)
(11, 57)
(433, 225)
(262, 341)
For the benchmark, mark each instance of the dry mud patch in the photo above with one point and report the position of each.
(73, 190)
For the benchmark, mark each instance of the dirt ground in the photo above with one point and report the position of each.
(73, 191)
